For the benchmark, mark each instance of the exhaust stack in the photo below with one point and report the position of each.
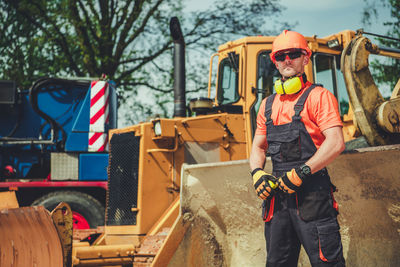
(179, 68)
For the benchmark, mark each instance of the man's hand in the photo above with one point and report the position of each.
(264, 183)
(291, 181)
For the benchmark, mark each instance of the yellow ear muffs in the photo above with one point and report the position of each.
(290, 86)
(279, 87)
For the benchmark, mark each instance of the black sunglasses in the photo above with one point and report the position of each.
(292, 55)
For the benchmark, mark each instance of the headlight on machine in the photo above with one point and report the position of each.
(157, 128)
(163, 128)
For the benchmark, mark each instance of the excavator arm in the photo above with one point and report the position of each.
(377, 119)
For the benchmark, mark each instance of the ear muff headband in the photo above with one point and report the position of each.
(290, 86)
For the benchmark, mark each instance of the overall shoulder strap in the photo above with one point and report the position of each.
(268, 108)
(298, 107)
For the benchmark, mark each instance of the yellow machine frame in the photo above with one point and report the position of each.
(167, 144)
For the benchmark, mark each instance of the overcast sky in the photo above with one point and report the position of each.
(322, 17)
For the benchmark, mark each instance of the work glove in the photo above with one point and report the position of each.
(291, 181)
(264, 183)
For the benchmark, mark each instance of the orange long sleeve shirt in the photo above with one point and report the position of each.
(320, 112)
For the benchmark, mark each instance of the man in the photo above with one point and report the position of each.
(300, 128)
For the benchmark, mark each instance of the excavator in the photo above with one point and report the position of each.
(179, 190)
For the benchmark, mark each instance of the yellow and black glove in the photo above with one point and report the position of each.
(264, 183)
(291, 181)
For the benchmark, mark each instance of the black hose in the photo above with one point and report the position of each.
(33, 94)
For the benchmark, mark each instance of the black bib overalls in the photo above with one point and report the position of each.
(307, 217)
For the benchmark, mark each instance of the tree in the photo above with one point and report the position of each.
(126, 40)
(385, 72)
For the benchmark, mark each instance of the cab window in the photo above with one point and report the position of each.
(327, 72)
(266, 76)
(227, 83)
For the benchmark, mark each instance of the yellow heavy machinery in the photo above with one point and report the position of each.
(179, 190)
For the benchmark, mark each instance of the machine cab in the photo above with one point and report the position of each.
(245, 75)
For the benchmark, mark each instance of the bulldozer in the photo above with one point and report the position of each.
(179, 190)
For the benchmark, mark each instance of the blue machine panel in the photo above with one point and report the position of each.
(81, 123)
(77, 141)
(78, 138)
(93, 167)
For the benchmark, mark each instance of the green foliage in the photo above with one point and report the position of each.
(129, 41)
(385, 71)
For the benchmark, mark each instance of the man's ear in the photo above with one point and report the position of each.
(306, 59)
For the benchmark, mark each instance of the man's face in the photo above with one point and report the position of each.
(291, 67)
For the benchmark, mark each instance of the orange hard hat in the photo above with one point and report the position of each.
(289, 40)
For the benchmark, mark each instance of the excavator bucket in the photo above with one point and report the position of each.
(220, 218)
(31, 236)
(28, 237)
(368, 182)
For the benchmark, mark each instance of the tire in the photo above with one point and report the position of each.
(85, 205)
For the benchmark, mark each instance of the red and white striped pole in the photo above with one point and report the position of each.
(99, 116)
